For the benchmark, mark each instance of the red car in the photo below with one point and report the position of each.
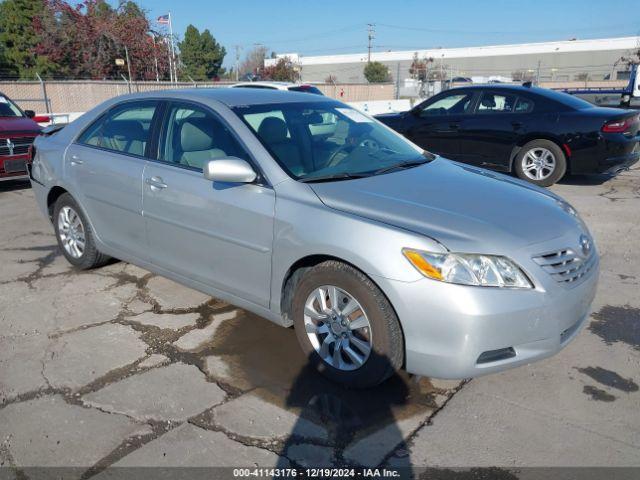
(17, 132)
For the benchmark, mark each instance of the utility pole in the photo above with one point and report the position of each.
(371, 34)
(238, 48)
(126, 55)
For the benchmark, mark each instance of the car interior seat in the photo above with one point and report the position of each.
(127, 136)
(273, 131)
(198, 143)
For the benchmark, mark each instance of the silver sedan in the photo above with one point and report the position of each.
(309, 213)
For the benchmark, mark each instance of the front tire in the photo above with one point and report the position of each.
(346, 326)
(540, 162)
(75, 236)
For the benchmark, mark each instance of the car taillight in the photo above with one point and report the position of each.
(620, 125)
(42, 119)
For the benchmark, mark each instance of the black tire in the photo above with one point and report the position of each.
(559, 157)
(387, 353)
(90, 257)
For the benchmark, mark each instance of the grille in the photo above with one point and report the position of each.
(566, 266)
(20, 145)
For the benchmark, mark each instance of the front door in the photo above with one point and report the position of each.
(218, 234)
(435, 125)
(106, 164)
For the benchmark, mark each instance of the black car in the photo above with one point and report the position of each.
(539, 134)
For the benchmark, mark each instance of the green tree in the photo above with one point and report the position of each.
(200, 54)
(376, 72)
(18, 38)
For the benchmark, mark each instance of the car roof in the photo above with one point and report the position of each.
(499, 86)
(265, 84)
(233, 97)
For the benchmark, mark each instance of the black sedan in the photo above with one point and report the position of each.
(539, 134)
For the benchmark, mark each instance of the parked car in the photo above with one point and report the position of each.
(537, 133)
(288, 86)
(17, 131)
(310, 213)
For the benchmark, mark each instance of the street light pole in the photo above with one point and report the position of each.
(126, 55)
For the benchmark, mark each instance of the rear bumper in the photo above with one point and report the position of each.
(614, 165)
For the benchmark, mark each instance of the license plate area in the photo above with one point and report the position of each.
(15, 166)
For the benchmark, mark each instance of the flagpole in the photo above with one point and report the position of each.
(173, 52)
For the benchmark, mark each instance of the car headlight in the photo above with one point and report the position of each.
(468, 269)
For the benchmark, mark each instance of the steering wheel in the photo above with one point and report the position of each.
(367, 143)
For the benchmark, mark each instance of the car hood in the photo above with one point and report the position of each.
(467, 209)
(18, 125)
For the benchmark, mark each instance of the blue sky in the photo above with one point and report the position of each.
(339, 26)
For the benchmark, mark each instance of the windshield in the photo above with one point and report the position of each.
(319, 140)
(8, 108)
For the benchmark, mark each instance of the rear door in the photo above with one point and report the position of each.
(105, 166)
(219, 234)
(492, 131)
(435, 125)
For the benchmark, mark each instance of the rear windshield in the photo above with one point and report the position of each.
(8, 108)
(306, 89)
(566, 99)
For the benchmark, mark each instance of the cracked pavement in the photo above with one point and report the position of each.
(121, 367)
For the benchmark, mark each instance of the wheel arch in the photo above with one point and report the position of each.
(297, 269)
(53, 195)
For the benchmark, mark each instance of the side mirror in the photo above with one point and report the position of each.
(30, 113)
(229, 170)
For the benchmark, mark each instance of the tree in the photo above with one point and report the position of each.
(283, 71)
(200, 54)
(83, 41)
(376, 72)
(420, 67)
(253, 62)
(522, 76)
(19, 39)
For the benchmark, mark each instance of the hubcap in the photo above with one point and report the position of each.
(538, 163)
(71, 232)
(337, 327)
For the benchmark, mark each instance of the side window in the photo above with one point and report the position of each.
(496, 103)
(524, 105)
(193, 136)
(125, 129)
(453, 104)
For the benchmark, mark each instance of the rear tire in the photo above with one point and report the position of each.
(362, 319)
(75, 236)
(540, 162)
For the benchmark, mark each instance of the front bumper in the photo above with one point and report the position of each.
(448, 327)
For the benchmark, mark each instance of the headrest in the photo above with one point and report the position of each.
(488, 101)
(273, 130)
(130, 129)
(196, 134)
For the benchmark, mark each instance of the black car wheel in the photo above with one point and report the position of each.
(346, 326)
(75, 236)
(540, 162)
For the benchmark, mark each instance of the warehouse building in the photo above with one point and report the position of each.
(560, 61)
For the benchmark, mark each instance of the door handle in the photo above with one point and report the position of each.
(156, 183)
(75, 160)
(454, 126)
(516, 125)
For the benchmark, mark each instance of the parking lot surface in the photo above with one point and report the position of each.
(118, 366)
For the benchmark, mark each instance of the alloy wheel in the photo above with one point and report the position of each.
(338, 327)
(71, 232)
(538, 163)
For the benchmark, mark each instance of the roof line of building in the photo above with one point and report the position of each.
(619, 43)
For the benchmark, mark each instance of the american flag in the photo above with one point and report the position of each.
(163, 19)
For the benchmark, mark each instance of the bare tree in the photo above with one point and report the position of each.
(254, 60)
